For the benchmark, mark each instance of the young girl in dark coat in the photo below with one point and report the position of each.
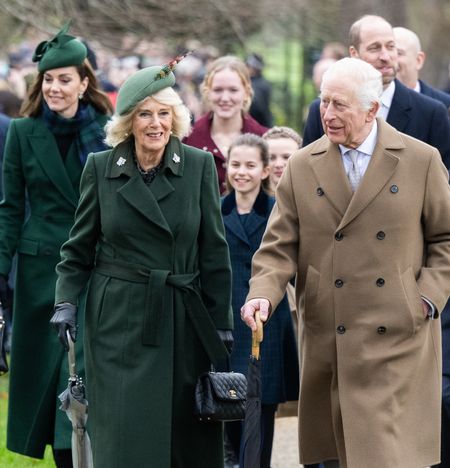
(245, 212)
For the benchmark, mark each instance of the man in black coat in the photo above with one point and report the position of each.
(372, 40)
(262, 89)
(411, 59)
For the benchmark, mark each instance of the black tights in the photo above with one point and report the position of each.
(63, 458)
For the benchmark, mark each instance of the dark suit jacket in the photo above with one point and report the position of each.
(435, 93)
(412, 113)
(278, 350)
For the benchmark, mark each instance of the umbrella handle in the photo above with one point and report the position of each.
(257, 336)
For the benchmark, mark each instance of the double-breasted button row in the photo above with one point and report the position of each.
(380, 282)
(340, 235)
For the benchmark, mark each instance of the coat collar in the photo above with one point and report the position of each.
(47, 154)
(329, 170)
(400, 111)
(134, 191)
(121, 160)
(258, 216)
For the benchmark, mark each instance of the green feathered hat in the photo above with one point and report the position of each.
(145, 83)
(61, 51)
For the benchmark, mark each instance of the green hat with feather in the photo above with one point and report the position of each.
(144, 83)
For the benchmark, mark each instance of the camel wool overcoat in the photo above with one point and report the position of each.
(159, 286)
(370, 391)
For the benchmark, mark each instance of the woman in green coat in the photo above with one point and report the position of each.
(149, 241)
(44, 157)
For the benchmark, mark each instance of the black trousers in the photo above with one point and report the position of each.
(445, 428)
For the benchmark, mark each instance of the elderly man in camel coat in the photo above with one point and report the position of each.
(368, 235)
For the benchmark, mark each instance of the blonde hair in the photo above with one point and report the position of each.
(283, 132)
(235, 64)
(119, 128)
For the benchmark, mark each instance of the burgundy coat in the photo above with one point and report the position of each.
(200, 137)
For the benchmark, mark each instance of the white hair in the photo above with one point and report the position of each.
(363, 77)
(118, 129)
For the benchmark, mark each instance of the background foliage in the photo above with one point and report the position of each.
(288, 33)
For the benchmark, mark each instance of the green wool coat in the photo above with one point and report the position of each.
(39, 371)
(159, 277)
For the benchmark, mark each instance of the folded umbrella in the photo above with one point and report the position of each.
(74, 403)
(251, 442)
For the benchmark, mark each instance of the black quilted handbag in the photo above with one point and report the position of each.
(220, 396)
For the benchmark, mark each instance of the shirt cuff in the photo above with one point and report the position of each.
(432, 311)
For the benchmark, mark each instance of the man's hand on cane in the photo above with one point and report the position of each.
(254, 305)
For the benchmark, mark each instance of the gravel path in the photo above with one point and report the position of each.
(285, 443)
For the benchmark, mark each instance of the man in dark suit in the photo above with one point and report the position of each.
(372, 40)
(411, 59)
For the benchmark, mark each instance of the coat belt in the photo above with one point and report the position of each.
(159, 283)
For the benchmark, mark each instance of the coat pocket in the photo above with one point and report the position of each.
(311, 291)
(28, 247)
(413, 298)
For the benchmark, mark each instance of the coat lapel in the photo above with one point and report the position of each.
(328, 168)
(46, 153)
(399, 112)
(231, 218)
(134, 190)
(381, 167)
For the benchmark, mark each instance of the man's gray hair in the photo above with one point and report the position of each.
(365, 79)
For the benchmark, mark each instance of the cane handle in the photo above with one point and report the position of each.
(257, 336)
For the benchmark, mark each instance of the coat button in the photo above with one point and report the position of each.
(340, 329)
(394, 189)
(320, 191)
(339, 283)
(380, 282)
(381, 235)
(339, 236)
(381, 330)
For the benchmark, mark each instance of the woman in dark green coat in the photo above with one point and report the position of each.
(44, 157)
(149, 240)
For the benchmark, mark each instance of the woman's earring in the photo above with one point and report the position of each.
(80, 96)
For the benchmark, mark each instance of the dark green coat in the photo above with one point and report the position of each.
(147, 335)
(39, 370)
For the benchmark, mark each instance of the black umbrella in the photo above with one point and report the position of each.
(74, 403)
(251, 443)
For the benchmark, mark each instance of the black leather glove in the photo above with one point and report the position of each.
(227, 339)
(65, 318)
(5, 292)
